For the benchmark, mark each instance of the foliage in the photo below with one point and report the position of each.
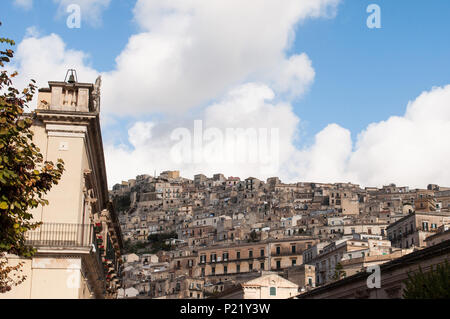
(24, 175)
(434, 284)
(10, 275)
(155, 243)
(122, 203)
(253, 236)
(339, 273)
(135, 247)
(162, 237)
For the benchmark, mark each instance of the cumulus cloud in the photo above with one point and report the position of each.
(191, 52)
(294, 76)
(245, 133)
(325, 161)
(409, 150)
(24, 4)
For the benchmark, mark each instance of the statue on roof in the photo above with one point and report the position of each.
(96, 94)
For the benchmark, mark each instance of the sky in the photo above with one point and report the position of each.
(339, 101)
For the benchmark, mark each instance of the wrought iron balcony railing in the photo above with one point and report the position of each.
(61, 236)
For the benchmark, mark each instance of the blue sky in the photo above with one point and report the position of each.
(362, 75)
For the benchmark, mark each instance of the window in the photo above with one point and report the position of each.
(262, 266)
(310, 281)
(213, 270)
(278, 250)
(294, 262)
(262, 252)
(273, 291)
(238, 268)
(225, 256)
(238, 255)
(250, 254)
(425, 226)
(203, 272)
(225, 269)
(278, 264)
(250, 267)
(293, 248)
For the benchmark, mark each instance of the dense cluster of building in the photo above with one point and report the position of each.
(231, 234)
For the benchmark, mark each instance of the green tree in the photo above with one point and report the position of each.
(122, 203)
(253, 236)
(25, 177)
(434, 284)
(339, 272)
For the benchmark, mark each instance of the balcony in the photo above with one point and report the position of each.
(286, 253)
(61, 236)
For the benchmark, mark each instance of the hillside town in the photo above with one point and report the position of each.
(223, 237)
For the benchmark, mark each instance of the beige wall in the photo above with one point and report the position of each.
(66, 198)
(23, 291)
(50, 278)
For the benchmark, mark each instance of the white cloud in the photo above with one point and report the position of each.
(410, 150)
(91, 10)
(24, 4)
(192, 51)
(325, 161)
(247, 106)
(294, 76)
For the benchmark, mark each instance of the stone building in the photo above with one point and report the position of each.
(412, 230)
(392, 280)
(79, 242)
(268, 286)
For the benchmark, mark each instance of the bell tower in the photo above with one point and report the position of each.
(68, 127)
(70, 95)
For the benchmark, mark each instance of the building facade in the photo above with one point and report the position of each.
(79, 242)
